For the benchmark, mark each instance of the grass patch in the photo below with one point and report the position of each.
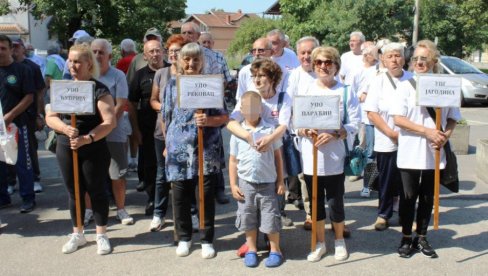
(484, 70)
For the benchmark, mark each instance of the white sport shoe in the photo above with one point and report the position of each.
(103, 245)
(75, 240)
(195, 223)
(340, 250)
(183, 248)
(156, 224)
(320, 251)
(208, 251)
(88, 217)
(37, 187)
(365, 192)
(124, 217)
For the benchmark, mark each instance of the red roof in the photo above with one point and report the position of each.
(220, 19)
(12, 28)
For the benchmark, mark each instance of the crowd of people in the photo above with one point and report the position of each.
(139, 127)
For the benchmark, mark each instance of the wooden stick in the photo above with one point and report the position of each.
(437, 173)
(76, 177)
(201, 195)
(314, 194)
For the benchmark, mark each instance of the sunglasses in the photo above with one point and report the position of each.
(258, 50)
(327, 62)
(419, 58)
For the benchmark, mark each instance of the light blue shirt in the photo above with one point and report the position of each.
(116, 83)
(254, 166)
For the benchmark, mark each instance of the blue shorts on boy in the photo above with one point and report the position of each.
(257, 181)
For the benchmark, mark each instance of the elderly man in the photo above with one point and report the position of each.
(143, 119)
(35, 118)
(37, 59)
(191, 32)
(115, 81)
(353, 59)
(139, 61)
(128, 51)
(285, 57)
(16, 95)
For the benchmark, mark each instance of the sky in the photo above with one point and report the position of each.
(247, 6)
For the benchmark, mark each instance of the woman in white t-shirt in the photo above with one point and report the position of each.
(417, 141)
(331, 150)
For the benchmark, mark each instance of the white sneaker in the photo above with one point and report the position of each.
(37, 187)
(396, 203)
(75, 240)
(195, 223)
(88, 217)
(156, 224)
(124, 217)
(103, 245)
(10, 190)
(365, 192)
(183, 248)
(340, 250)
(208, 251)
(320, 251)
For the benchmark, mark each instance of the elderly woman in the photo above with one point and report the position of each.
(180, 127)
(417, 142)
(331, 150)
(381, 94)
(161, 80)
(88, 137)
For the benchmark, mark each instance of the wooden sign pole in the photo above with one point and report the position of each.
(437, 173)
(314, 194)
(201, 195)
(76, 177)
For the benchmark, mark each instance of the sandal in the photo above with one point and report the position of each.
(274, 259)
(251, 259)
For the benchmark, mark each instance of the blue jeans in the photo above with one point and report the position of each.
(162, 187)
(369, 137)
(23, 168)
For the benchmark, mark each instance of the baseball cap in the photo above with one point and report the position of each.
(152, 31)
(78, 34)
(18, 41)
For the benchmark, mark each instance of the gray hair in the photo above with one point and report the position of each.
(106, 44)
(191, 50)
(207, 34)
(53, 48)
(193, 25)
(87, 40)
(394, 46)
(277, 32)
(358, 34)
(128, 45)
(382, 42)
(372, 50)
(315, 41)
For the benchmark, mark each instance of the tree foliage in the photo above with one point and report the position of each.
(112, 19)
(248, 32)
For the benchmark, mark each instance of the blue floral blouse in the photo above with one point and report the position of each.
(182, 139)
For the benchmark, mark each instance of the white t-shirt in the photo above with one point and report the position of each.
(287, 61)
(362, 81)
(299, 78)
(381, 95)
(245, 82)
(349, 65)
(414, 151)
(331, 156)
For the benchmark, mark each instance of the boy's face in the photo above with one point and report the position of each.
(251, 109)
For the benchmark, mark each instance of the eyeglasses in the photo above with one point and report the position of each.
(327, 62)
(258, 76)
(189, 32)
(420, 58)
(174, 51)
(259, 50)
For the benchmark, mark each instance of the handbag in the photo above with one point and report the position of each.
(9, 145)
(291, 155)
(355, 159)
(371, 174)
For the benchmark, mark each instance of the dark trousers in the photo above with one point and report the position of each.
(294, 188)
(33, 146)
(183, 191)
(149, 162)
(329, 187)
(162, 187)
(93, 164)
(389, 182)
(416, 184)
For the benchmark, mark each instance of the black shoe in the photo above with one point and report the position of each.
(141, 186)
(27, 206)
(221, 198)
(5, 204)
(149, 208)
(422, 245)
(405, 250)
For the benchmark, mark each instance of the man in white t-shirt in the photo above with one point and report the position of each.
(353, 59)
(285, 57)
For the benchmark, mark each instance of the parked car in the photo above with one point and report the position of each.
(474, 82)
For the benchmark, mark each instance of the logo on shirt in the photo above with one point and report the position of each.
(275, 113)
(12, 79)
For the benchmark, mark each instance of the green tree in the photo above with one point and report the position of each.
(248, 32)
(112, 19)
(4, 7)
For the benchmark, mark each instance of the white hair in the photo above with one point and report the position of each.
(106, 44)
(358, 34)
(277, 32)
(193, 25)
(128, 45)
(315, 41)
(394, 46)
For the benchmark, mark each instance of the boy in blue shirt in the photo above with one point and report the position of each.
(255, 180)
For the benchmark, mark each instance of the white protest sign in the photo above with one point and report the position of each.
(3, 128)
(438, 90)
(200, 91)
(317, 112)
(72, 97)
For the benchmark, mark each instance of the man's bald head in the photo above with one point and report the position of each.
(153, 54)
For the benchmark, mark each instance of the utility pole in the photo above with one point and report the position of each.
(415, 34)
